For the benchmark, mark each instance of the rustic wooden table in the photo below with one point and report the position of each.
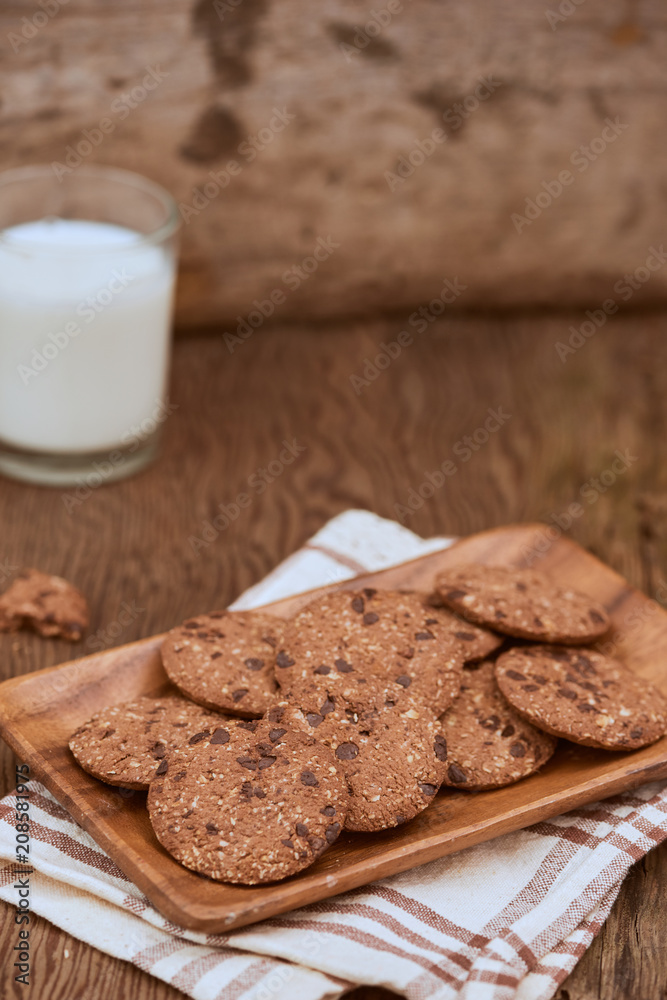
(366, 447)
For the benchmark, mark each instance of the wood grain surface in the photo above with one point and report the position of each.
(128, 543)
(409, 133)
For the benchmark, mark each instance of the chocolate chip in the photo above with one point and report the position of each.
(515, 675)
(308, 778)
(530, 687)
(596, 617)
(331, 831)
(328, 811)
(636, 734)
(492, 722)
(404, 680)
(509, 730)
(203, 635)
(347, 751)
(370, 618)
(456, 775)
(220, 736)
(316, 844)
(276, 734)
(431, 621)
(270, 640)
(500, 614)
(180, 775)
(216, 655)
(539, 679)
(454, 595)
(276, 713)
(440, 748)
(370, 592)
(266, 762)
(427, 789)
(343, 667)
(108, 732)
(250, 726)
(465, 636)
(327, 706)
(566, 693)
(198, 737)
(408, 653)
(253, 663)
(313, 719)
(159, 751)
(518, 750)
(585, 707)
(301, 830)
(239, 693)
(162, 768)
(283, 659)
(423, 636)
(247, 762)
(358, 605)
(521, 586)
(288, 843)
(323, 669)
(211, 828)
(259, 793)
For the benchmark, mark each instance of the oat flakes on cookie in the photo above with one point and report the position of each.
(392, 752)
(488, 743)
(392, 636)
(582, 695)
(522, 603)
(128, 744)
(224, 660)
(47, 604)
(259, 806)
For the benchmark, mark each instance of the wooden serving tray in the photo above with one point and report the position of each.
(38, 713)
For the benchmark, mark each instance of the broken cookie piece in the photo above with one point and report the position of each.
(47, 604)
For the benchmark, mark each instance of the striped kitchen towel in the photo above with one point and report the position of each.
(505, 920)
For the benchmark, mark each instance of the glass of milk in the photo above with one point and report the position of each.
(87, 269)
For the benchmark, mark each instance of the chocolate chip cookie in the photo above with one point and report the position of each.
(582, 695)
(128, 744)
(224, 660)
(258, 807)
(392, 636)
(392, 753)
(488, 743)
(47, 604)
(523, 603)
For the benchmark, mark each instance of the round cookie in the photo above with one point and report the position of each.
(523, 603)
(258, 807)
(224, 660)
(392, 754)
(488, 743)
(128, 744)
(392, 636)
(582, 695)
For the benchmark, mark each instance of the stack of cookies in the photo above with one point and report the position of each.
(355, 712)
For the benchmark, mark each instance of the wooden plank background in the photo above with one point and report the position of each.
(186, 87)
(129, 542)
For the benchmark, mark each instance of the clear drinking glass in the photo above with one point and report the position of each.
(87, 272)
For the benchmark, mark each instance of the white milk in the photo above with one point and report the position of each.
(84, 330)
